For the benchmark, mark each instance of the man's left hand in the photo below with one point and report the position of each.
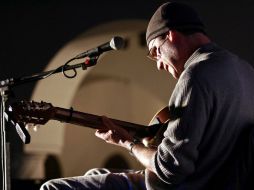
(114, 134)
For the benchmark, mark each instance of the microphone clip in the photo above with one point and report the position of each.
(90, 61)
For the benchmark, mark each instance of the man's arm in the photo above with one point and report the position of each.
(144, 155)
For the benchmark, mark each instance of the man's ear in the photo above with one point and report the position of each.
(173, 36)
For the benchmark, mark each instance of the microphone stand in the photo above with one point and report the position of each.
(5, 86)
(4, 144)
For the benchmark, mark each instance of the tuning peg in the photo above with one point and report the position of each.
(29, 126)
(32, 126)
(36, 127)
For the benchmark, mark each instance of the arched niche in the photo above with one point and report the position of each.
(124, 85)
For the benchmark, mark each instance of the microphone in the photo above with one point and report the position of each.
(115, 43)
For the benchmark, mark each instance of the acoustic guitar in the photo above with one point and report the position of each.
(39, 113)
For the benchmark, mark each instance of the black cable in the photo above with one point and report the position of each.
(65, 66)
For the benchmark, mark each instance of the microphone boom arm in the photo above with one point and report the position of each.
(42, 75)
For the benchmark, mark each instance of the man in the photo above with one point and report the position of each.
(209, 109)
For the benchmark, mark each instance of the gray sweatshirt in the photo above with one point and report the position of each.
(213, 101)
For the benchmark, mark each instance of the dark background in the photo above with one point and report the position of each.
(31, 32)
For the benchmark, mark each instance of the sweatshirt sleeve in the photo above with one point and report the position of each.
(177, 154)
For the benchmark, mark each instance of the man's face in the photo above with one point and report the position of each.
(163, 51)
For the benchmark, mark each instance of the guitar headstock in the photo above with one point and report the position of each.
(24, 114)
(37, 113)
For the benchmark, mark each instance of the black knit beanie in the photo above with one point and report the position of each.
(173, 15)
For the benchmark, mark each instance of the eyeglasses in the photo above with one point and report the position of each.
(152, 54)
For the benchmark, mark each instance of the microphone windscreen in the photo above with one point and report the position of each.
(117, 43)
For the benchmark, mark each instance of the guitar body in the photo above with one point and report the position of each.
(160, 119)
(162, 116)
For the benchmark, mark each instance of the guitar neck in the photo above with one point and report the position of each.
(95, 122)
